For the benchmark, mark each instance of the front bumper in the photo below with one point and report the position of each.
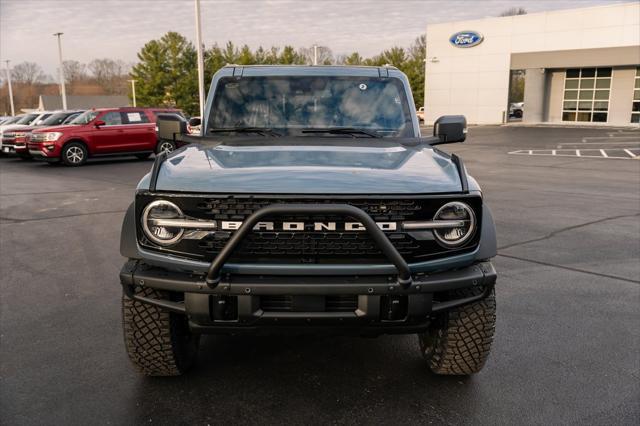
(244, 296)
(14, 148)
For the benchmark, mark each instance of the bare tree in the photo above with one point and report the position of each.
(514, 11)
(109, 74)
(28, 73)
(325, 55)
(74, 71)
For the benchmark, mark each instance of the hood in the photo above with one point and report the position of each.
(11, 127)
(52, 128)
(319, 166)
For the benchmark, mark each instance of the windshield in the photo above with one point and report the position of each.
(11, 120)
(85, 117)
(27, 119)
(294, 105)
(55, 119)
(70, 118)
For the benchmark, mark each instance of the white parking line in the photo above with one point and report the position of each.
(582, 153)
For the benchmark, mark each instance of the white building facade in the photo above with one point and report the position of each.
(580, 66)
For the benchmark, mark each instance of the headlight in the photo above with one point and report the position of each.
(161, 235)
(456, 236)
(51, 136)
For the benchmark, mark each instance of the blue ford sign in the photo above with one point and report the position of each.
(466, 39)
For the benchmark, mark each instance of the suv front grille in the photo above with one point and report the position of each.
(309, 246)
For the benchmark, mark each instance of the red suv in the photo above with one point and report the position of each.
(101, 132)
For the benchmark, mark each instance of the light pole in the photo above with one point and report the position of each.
(63, 91)
(200, 60)
(13, 111)
(315, 54)
(133, 90)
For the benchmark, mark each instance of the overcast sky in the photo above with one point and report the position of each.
(119, 28)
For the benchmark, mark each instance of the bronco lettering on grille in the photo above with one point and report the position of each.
(302, 226)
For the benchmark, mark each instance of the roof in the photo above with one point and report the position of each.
(310, 70)
(53, 102)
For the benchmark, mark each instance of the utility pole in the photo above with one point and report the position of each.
(63, 91)
(200, 60)
(13, 111)
(315, 54)
(133, 89)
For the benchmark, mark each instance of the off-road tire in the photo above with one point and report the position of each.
(458, 342)
(159, 343)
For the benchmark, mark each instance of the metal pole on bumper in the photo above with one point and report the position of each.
(376, 234)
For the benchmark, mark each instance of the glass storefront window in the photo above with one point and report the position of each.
(590, 87)
(635, 107)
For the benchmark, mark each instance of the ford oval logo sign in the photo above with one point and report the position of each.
(466, 39)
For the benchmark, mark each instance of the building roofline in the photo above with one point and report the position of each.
(542, 12)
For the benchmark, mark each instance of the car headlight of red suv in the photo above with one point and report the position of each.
(46, 137)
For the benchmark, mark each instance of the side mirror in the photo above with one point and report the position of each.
(195, 121)
(170, 126)
(450, 129)
(99, 123)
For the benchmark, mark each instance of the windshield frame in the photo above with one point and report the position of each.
(405, 126)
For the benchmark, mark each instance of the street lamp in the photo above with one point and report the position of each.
(13, 111)
(200, 60)
(63, 91)
(133, 89)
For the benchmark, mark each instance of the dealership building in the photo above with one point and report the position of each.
(579, 66)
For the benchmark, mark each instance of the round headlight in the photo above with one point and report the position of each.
(153, 214)
(458, 235)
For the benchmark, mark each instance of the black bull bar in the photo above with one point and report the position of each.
(388, 250)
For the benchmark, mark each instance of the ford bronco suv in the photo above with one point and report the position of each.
(309, 203)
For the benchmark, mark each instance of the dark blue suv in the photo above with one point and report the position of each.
(309, 204)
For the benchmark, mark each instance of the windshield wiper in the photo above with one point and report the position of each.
(259, 130)
(342, 131)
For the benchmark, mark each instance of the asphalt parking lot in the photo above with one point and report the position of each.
(567, 346)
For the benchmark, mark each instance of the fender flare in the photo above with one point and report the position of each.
(488, 240)
(128, 240)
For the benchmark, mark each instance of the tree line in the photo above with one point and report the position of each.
(102, 76)
(166, 72)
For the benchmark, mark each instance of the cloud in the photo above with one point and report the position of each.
(119, 28)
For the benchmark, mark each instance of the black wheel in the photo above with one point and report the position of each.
(74, 154)
(517, 113)
(159, 343)
(165, 146)
(459, 341)
(143, 156)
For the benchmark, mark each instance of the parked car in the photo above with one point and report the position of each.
(15, 140)
(324, 212)
(516, 109)
(25, 120)
(101, 132)
(420, 114)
